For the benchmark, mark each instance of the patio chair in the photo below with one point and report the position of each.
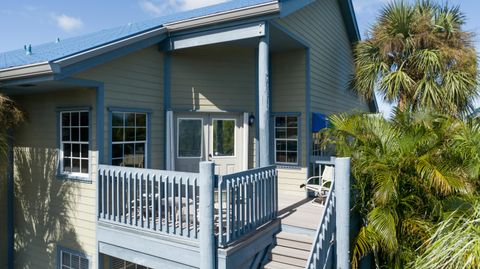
(323, 186)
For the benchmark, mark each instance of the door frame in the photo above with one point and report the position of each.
(172, 141)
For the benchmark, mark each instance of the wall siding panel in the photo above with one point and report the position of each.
(50, 211)
(135, 81)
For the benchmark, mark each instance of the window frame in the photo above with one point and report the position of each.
(298, 139)
(61, 250)
(147, 142)
(60, 166)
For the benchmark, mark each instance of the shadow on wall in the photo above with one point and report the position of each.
(42, 207)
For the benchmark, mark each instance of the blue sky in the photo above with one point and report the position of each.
(35, 22)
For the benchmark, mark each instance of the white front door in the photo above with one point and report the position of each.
(218, 137)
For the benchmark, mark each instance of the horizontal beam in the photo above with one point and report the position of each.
(216, 36)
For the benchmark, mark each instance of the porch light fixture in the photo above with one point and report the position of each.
(251, 120)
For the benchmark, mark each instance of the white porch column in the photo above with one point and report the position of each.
(264, 100)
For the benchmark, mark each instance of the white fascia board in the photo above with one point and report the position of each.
(236, 14)
(218, 36)
(37, 69)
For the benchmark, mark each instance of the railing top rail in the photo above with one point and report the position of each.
(249, 172)
(147, 171)
(320, 226)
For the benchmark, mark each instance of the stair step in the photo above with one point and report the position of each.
(279, 265)
(291, 252)
(293, 244)
(295, 237)
(288, 260)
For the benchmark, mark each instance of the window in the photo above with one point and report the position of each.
(71, 260)
(129, 139)
(121, 264)
(223, 138)
(286, 139)
(74, 142)
(189, 138)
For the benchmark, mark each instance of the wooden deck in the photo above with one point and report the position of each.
(298, 211)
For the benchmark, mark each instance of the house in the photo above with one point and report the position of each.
(106, 170)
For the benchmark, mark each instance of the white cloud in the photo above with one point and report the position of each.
(162, 7)
(362, 6)
(67, 23)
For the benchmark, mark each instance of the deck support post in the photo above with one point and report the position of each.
(207, 238)
(342, 207)
(264, 99)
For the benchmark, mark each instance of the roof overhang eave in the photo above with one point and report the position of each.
(31, 70)
(54, 67)
(236, 14)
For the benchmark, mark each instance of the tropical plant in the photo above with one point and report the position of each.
(408, 172)
(10, 116)
(455, 242)
(419, 56)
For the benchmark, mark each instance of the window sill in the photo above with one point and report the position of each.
(79, 178)
(289, 166)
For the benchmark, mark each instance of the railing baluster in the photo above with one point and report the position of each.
(180, 206)
(160, 197)
(152, 195)
(228, 208)
(135, 215)
(195, 208)
(165, 200)
(220, 209)
(187, 199)
(117, 196)
(172, 203)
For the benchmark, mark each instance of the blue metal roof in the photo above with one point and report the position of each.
(54, 51)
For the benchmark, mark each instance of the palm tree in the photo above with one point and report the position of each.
(408, 171)
(419, 56)
(454, 244)
(10, 116)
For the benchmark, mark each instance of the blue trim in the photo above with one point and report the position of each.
(65, 176)
(71, 108)
(350, 19)
(257, 112)
(10, 197)
(167, 103)
(288, 7)
(109, 56)
(299, 143)
(73, 252)
(149, 134)
(308, 110)
(291, 34)
(129, 110)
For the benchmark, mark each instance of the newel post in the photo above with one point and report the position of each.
(342, 207)
(207, 239)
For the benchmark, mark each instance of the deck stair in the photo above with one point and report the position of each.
(291, 251)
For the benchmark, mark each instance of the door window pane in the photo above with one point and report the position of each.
(224, 137)
(190, 138)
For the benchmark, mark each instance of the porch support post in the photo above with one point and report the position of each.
(207, 238)
(264, 99)
(342, 207)
(10, 195)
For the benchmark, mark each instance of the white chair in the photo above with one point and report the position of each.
(323, 187)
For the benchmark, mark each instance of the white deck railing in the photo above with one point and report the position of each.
(168, 202)
(323, 243)
(155, 200)
(246, 201)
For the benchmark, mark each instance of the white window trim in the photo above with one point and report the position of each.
(79, 175)
(234, 138)
(62, 250)
(201, 137)
(146, 141)
(286, 139)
